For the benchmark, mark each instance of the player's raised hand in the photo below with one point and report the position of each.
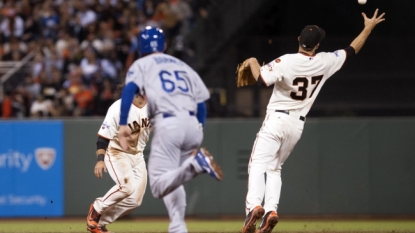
(370, 23)
(98, 169)
(123, 133)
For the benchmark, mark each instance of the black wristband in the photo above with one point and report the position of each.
(100, 157)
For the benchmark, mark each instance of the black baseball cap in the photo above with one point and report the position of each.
(311, 35)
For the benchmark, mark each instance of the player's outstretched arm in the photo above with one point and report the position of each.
(370, 24)
(255, 67)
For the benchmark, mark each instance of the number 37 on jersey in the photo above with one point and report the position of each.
(306, 87)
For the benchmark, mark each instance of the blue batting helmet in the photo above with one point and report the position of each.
(150, 40)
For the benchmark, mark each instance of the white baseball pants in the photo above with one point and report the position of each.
(274, 142)
(130, 176)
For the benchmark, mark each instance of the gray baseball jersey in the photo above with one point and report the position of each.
(170, 85)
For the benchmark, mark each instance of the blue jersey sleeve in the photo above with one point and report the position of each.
(201, 113)
(127, 97)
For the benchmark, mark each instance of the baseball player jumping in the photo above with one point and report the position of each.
(297, 80)
(176, 98)
(126, 166)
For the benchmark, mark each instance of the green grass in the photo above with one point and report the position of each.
(203, 226)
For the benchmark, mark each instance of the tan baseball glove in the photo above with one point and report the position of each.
(244, 75)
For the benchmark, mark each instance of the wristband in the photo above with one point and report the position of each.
(100, 157)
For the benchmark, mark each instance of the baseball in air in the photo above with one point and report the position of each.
(361, 2)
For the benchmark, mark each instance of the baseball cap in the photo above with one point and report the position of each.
(311, 35)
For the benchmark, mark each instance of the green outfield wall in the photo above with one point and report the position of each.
(340, 166)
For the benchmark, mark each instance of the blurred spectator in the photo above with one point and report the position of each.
(51, 86)
(31, 28)
(7, 110)
(82, 48)
(41, 107)
(21, 102)
(92, 41)
(65, 12)
(58, 107)
(37, 66)
(12, 25)
(62, 44)
(89, 64)
(85, 15)
(32, 88)
(83, 99)
(68, 101)
(53, 63)
(105, 97)
(14, 50)
(74, 81)
(75, 28)
(49, 21)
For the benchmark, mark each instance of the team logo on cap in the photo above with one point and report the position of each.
(45, 157)
(154, 45)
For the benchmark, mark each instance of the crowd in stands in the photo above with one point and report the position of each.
(81, 49)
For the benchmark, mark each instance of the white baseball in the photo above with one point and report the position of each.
(361, 2)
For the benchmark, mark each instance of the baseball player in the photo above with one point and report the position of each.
(297, 80)
(176, 98)
(126, 166)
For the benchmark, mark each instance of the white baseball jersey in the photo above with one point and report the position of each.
(127, 168)
(298, 78)
(169, 84)
(138, 122)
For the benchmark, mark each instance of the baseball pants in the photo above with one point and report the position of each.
(171, 164)
(274, 142)
(130, 175)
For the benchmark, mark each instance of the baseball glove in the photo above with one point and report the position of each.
(244, 75)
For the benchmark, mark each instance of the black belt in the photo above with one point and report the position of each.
(165, 115)
(288, 113)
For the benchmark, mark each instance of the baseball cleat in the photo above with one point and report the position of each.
(99, 229)
(268, 222)
(252, 218)
(205, 160)
(104, 229)
(92, 220)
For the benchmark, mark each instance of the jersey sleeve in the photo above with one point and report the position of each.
(201, 92)
(135, 75)
(336, 60)
(272, 72)
(110, 125)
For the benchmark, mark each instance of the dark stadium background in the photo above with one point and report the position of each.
(377, 82)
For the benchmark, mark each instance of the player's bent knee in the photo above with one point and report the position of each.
(137, 204)
(156, 194)
(127, 189)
